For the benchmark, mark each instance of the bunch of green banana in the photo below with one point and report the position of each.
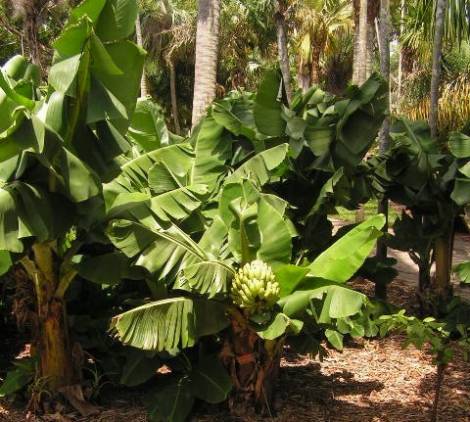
(254, 288)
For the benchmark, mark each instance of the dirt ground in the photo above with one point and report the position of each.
(370, 381)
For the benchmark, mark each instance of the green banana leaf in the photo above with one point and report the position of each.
(342, 260)
(169, 324)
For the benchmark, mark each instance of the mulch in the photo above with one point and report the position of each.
(370, 381)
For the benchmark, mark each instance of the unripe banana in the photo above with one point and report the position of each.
(254, 288)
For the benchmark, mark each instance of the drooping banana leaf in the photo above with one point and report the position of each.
(268, 108)
(332, 300)
(26, 211)
(210, 276)
(341, 260)
(212, 148)
(169, 324)
(261, 168)
(148, 128)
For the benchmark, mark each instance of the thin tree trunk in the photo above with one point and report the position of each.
(384, 135)
(356, 10)
(400, 57)
(436, 66)
(283, 52)
(360, 65)
(144, 91)
(207, 40)
(373, 10)
(174, 99)
(441, 288)
(31, 15)
(360, 62)
(441, 367)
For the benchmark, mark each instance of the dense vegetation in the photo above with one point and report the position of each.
(202, 242)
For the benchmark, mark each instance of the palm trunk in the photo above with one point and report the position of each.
(52, 342)
(282, 48)
(360, 64)
(144, 91)
(360, 61)
(315, 70)
(32, 12)
(436, 66)
(384, 135)
(253, 364)
(373, 10)
(356, 9)
(400, 57)
(207, 40)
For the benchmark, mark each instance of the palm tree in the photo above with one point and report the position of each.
(384, 135)
(319, 22)
(281, 7)
(361, 58)
(401, 54)
(437, 64)
(373, 9)
(207, 43)
(144, 91)
(443, 245)
(360, 48)
(418, 27)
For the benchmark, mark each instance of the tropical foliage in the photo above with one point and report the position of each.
(202, 255)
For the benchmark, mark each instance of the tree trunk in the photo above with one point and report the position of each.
(304, 77)
(373, 10)
(424, 277)
(144, 91)
(441, 288)
(31, 15)
(52, 342)
(360, 61)
(400, 57)
(207, 40)
(384, 135)
(436, 66)
(283, 52)
(315, 70)
(384, 45)
(356, 10)
(174, 99)
(54, 348)
(253, 364)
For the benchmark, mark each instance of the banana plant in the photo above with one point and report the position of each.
(432, 182)
(219, 247)
(328, 136)
(56, 150)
